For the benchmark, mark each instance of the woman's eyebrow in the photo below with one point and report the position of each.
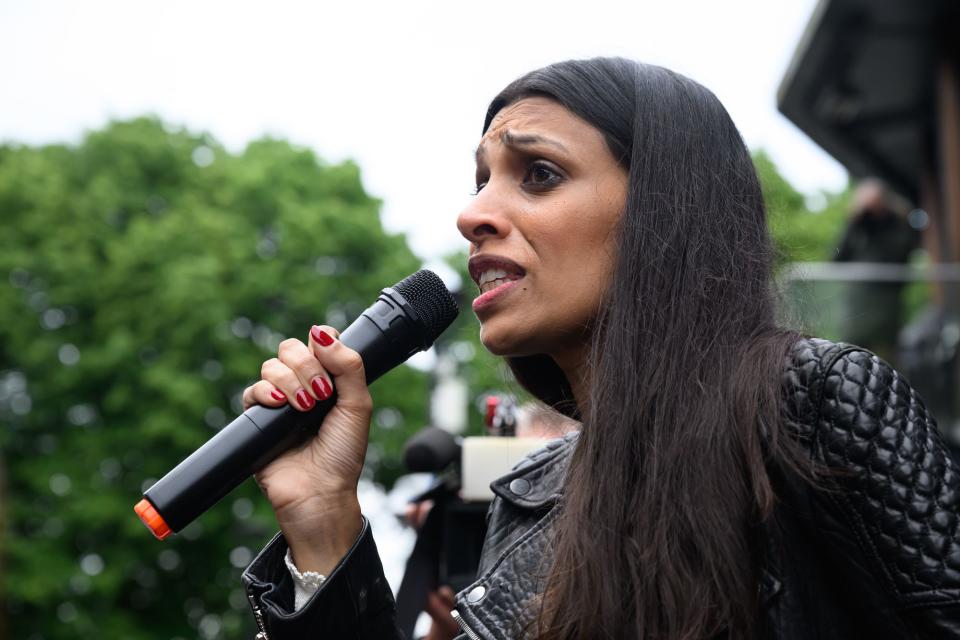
(518, 141)
(525, 140)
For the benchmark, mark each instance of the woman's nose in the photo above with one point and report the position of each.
(482, 220)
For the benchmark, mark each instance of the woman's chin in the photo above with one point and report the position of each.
(501, 343)
(496, 349)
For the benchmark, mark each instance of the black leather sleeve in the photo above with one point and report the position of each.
(899, 491)
(354, 602)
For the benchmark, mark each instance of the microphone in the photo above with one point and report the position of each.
(430, 450)
(405, 319)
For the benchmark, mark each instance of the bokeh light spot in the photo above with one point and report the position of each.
(215, 417)
(212, 370)
(79, 584)
(91, 564)
(241, 327)
(81, 414)
(19, 278)
(209, 626)
(60, 484)
(240, 557)
(21, 404)
(68, 354)
(110, 468)
(66, 612)
(389, 418)
(242, 508)
(168, 560)
(52, 319)
(203, 156)
(918, 219)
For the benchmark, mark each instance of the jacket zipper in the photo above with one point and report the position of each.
(467, 631)
(258, 616)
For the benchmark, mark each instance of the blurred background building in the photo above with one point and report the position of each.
(876, 83)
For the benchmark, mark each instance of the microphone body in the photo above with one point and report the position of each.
(430, 450)
(385, 335)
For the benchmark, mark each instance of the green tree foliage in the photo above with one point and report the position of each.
(146, 274)
(801, 234)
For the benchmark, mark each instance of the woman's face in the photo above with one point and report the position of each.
(541, 229)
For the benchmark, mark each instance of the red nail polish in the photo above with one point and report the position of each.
(278, 395)
(304, 399)
(321, 337)
(321, 387)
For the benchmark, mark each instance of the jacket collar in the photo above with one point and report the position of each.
(537, 480)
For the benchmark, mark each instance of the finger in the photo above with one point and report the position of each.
(308, 369)
(344, 365)
(446, 596)
(263, 392)
(423, 510)
(283, 378)
(436, 608)
(444, 626)
(410, 515)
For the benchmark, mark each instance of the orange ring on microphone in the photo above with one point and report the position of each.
(154, 521)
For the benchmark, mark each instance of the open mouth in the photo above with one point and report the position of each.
(493, 278)
(490, 272)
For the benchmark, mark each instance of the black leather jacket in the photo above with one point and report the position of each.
(876, 557)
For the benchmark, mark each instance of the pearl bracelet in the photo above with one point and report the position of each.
(305, 584)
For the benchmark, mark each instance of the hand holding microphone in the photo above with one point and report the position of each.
(309, 476)
(313, 488)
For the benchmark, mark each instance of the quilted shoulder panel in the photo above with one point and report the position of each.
(900, 490)
(803, 382)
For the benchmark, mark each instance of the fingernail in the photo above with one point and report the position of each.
(321, 337)
(304, 399)
(278, 395)
(321, 387)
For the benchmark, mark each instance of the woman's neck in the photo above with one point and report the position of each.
(573, 363)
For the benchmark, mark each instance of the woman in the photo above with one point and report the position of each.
(732, 479)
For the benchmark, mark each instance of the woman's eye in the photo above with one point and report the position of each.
(541, 175)
(477, 189)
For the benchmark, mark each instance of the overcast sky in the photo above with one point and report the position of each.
(401, 87)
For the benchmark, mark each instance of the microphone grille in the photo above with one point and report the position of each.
(430, 299)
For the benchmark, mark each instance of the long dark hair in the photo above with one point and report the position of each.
(670, 477)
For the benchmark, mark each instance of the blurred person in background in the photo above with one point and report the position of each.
(875, 233)
(732, 478)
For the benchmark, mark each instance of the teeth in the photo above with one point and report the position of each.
(493, 284)
(491, 274)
